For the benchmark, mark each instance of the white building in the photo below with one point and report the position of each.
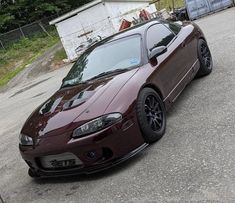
(100, 17)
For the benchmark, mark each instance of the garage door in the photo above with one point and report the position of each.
(198, 8)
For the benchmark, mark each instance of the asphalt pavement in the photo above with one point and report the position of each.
(193, 162)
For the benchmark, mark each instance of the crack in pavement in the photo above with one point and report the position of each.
(1, 199)
(29, 87)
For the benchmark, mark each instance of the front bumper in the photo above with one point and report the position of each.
(111, 146)
(87, 170)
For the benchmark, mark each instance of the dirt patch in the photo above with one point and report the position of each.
(43, 63)
(57, 65)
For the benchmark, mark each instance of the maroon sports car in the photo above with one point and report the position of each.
(113, 101)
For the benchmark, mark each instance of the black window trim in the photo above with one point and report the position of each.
(161, 23)
(164, 22)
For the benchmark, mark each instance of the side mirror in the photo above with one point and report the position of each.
(157, 51)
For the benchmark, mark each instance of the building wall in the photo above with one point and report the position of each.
(94, 20)
(103, 19)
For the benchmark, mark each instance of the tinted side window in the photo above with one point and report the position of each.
(158, 35)
(174, 27)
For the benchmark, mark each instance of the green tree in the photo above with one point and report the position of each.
(15, 13)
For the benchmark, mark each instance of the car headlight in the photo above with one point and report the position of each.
(25, 140)
(97, 124)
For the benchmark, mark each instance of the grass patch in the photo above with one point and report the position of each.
(57, 60)
(59, 56)
(168, 4)
(17, 56)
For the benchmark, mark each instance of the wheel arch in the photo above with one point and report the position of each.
(149, 135)
(154, 87)
(198, 41)
(202, 38)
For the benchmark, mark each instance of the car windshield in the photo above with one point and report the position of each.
(105, 59)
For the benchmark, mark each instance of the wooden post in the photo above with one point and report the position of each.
(22, 32)
(2, 44)
(40, 24)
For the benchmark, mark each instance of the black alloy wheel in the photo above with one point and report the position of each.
(205, 59)
(154, 113)
(151, 115)
(206, 55)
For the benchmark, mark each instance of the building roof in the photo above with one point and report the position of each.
(89, 5)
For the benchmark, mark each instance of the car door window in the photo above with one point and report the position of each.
(158, 35)
(174, 27)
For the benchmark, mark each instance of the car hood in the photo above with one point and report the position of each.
(71, 107)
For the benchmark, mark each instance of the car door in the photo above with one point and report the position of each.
(171, 65)
(188, 41)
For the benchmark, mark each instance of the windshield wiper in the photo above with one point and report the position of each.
(74, 84)
(108, 73)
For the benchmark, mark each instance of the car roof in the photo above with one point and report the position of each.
(137, 29)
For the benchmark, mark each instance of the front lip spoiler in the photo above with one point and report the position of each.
(87, 170)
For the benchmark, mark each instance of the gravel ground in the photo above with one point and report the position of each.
(193, 162)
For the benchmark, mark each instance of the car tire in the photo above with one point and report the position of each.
(205, 59)
(151, 115)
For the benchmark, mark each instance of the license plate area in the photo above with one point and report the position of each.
(60, 161)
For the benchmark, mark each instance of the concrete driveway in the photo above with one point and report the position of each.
(193, 162)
